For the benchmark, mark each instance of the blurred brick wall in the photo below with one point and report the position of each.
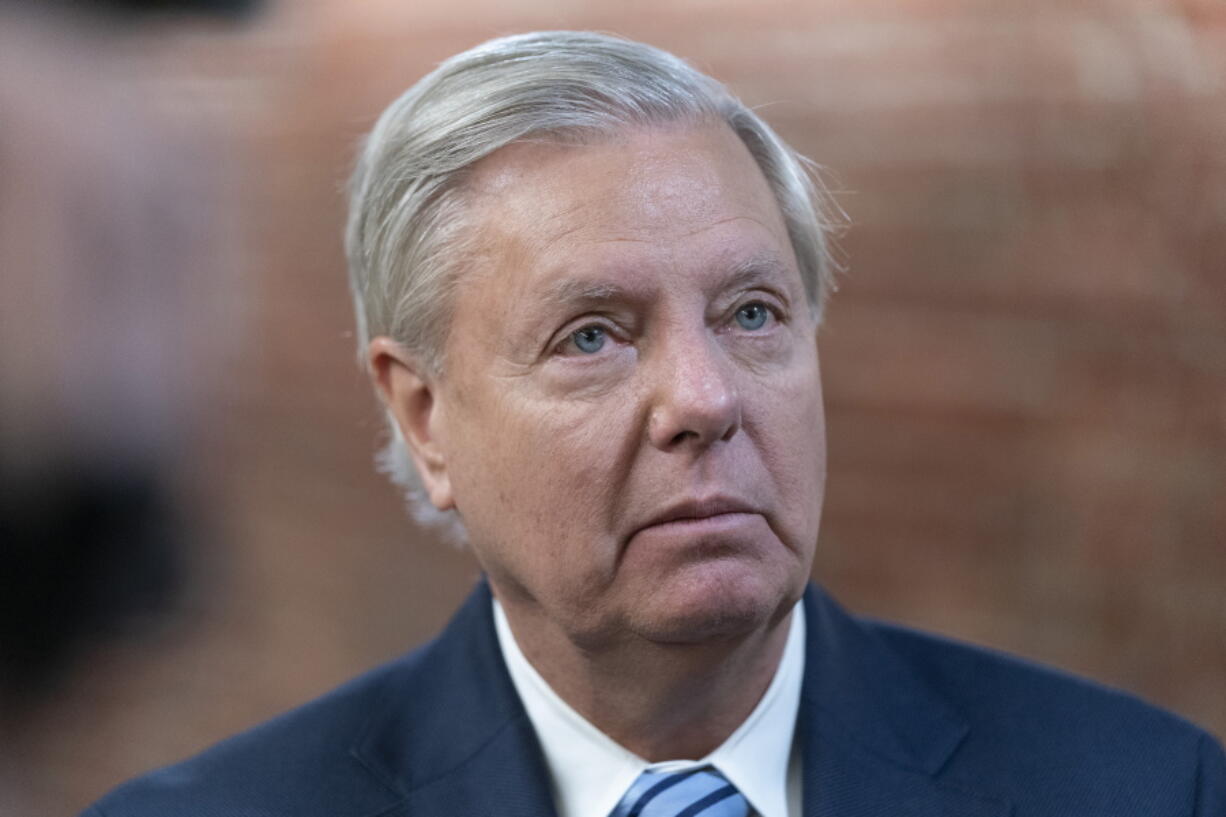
(1025, 366)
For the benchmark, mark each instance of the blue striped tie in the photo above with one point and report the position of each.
(693, 792)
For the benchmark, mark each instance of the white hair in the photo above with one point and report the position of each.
(405, 239)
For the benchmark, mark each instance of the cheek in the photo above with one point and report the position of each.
(577, 451)
(793, 424)
(541, 472)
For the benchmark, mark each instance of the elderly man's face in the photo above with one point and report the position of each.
(629, 419)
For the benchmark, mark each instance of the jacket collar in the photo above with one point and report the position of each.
(874, 736)
(452, 736)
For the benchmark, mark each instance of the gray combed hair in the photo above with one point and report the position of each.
(406, 237)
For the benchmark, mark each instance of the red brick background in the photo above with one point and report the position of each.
(1025, 365)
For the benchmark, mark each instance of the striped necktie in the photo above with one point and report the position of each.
(701, 792)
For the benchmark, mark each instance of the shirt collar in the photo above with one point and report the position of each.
(590, 771)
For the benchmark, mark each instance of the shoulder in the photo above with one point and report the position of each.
(361, 750)
(990, 686)
(1044, 735)
(291, 765)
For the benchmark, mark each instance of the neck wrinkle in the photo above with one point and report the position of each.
(664, 702)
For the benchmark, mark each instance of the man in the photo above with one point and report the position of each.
(588, 283)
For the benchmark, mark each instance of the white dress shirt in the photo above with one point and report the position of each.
(590, 771)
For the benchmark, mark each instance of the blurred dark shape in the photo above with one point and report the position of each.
(109, 255)
(121, 11)
(224, 8)
(90, 550)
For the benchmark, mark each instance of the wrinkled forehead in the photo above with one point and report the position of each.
(651, 218)
(650, 186)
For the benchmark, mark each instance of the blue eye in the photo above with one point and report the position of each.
(589, 339)
(752, 316)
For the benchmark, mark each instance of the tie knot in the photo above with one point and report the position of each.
(701, 792)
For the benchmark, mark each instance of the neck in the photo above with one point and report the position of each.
(659, 701)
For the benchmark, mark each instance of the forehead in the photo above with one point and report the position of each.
(640, 195)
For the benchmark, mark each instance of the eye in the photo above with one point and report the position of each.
(589, 339)
(752, 316)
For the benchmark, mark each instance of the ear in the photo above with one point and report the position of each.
(408, 392)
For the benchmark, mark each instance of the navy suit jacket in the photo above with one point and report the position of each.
(892, 723)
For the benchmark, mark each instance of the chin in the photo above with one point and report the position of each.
(712, 604)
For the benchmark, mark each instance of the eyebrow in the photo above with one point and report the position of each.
(568, 291)
(762, 267)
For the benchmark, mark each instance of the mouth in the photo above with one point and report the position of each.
(699, 513)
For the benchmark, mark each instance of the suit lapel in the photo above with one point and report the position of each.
(451, 734)
(873, 736)
(505, 777)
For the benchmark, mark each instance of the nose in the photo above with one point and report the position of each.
(696, 402)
